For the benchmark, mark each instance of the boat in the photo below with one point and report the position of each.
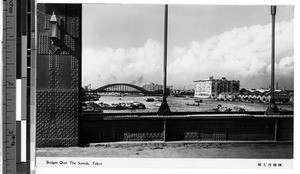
(198, 101)
(186, 98)
(120, 107)
(159, 99)
(150, 99)
(106, 106)
(135, 105)
(91, 107)
(192, 104)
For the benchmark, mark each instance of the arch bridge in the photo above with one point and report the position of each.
(121, 88)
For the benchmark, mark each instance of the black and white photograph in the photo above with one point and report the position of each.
(159, 85)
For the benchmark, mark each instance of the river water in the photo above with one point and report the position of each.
(178, 104)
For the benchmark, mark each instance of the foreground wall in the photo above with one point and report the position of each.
(98, 128)
(58, 76)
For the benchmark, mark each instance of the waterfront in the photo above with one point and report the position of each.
(179, 104)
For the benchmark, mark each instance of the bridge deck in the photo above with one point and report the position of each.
(177, 115)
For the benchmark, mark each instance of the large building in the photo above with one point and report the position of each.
(211, 88)
(152, 87)
(156, 88)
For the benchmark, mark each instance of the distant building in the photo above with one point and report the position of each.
(264, 95)
(183, 92)
(152, 87)
(212, 88)
(157, 88)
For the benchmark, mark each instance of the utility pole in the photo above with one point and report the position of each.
(272, 108)
(164, 107)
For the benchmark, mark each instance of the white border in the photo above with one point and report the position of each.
(213, 2)
(154, 170)
(196, 163)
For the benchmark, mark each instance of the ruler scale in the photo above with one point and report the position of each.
(18, 88)
(9, 86)
(31, 87)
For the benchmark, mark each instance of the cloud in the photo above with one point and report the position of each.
(136, 65)
(284, 71)
(241, 53)
(284, 67)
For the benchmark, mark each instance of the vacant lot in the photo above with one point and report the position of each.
(262, 150)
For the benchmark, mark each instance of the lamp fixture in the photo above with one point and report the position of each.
(53, 26)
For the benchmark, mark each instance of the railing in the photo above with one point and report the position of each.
(181, 126)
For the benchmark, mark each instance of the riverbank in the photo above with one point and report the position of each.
(179, 104)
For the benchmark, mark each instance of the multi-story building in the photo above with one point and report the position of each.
(211, 88)
(156, 88)
(152, 87)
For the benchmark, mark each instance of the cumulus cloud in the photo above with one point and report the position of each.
(241, 53)
(136, 65)
(284, 71)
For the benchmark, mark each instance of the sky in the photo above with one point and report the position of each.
(124, 43)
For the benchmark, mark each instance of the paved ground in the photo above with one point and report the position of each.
(262, 150)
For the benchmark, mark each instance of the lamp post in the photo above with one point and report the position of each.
(53, 26)
(272, 108)
(53, 34)
(164, 107)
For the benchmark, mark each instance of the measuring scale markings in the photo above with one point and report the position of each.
(9, 87)
(14, 92)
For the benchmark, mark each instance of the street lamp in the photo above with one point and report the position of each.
(53, 35)
(53, 26)
(164, 107)
(272, 109)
